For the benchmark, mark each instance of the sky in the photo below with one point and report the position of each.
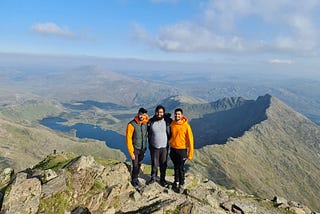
(268, 32)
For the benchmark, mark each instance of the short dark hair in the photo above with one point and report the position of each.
(142, 110)
(178, 109)
(160, 107)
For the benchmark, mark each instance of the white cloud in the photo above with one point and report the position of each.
(281, 61)
(50, 28)
(282, 26)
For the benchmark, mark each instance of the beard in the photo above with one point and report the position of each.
(159, 117)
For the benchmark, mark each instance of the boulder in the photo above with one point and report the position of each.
(23, 197)
(6, 176)
(280, 201)
(81, 210)
(54, 186)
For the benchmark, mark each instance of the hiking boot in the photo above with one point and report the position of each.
(164, 183)
(136, 183)
(175, 184)
(152, 180)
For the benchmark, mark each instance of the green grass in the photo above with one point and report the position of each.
(147, 170)
(105, 161)
(55, 161)
(98, 186)
(31, 110)
(55, 204)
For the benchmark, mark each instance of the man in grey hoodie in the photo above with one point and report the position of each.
(158, 138)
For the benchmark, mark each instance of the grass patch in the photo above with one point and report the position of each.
(98, 186)
(55, 204)
(105, 161)
(55, 161)
(147, 170)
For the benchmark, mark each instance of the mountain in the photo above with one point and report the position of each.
(23, 145)
(87, 83)
(196, 107)
(66, 183)
(271, 150)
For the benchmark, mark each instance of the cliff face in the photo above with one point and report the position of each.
(280, 155)
(64, 183)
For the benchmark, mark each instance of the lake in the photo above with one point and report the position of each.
(111, 138)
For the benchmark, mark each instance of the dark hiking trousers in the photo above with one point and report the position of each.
(136, 163)
(158, 159)
(178, 157)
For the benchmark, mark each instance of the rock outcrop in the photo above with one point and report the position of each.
(82, 185)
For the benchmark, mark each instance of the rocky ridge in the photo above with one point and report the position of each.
(278, 155)
(62, 183)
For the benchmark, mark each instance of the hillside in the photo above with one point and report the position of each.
(197, 108)
(66, 183)
(87, 83)
(278, 154)
(22, 146)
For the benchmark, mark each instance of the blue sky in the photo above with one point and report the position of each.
(273, 31)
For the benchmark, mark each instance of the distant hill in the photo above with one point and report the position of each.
(196, 107)
(22, 146)
(266, 148)
(88, 83)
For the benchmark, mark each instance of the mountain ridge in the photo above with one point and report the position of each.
(277, 155)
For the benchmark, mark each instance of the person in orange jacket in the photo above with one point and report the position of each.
(181, 147)
(136, 139)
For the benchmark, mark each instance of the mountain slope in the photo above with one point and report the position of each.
(22, 146)
(280, 155)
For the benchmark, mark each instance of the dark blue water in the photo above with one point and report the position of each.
(111, 138)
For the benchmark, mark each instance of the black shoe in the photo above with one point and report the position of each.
(175, 185)
(164, 183)
(152, 180)
(136, 183)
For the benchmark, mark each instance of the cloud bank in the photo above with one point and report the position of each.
(242, 26)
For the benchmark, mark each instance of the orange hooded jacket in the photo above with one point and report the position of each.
(181, 136)
(129, 133)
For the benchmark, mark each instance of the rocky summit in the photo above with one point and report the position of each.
(62, 183)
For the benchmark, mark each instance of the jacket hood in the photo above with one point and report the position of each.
(146, 119)
(183, 120)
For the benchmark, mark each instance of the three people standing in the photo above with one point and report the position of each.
(161, 132)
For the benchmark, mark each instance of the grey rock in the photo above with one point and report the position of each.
(49, 174)
(24, 196)
(297, 210)
(189, 208)
(280, 201)
(20, 177)
(80, 163)
(81, 210)
(136, 196)
(245, 207)
(6, 176)
(54, 186)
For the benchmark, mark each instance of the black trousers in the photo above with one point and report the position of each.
(178, 157)
(136, 163)
(158, 158)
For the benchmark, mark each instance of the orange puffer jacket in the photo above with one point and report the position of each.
(181, 136)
